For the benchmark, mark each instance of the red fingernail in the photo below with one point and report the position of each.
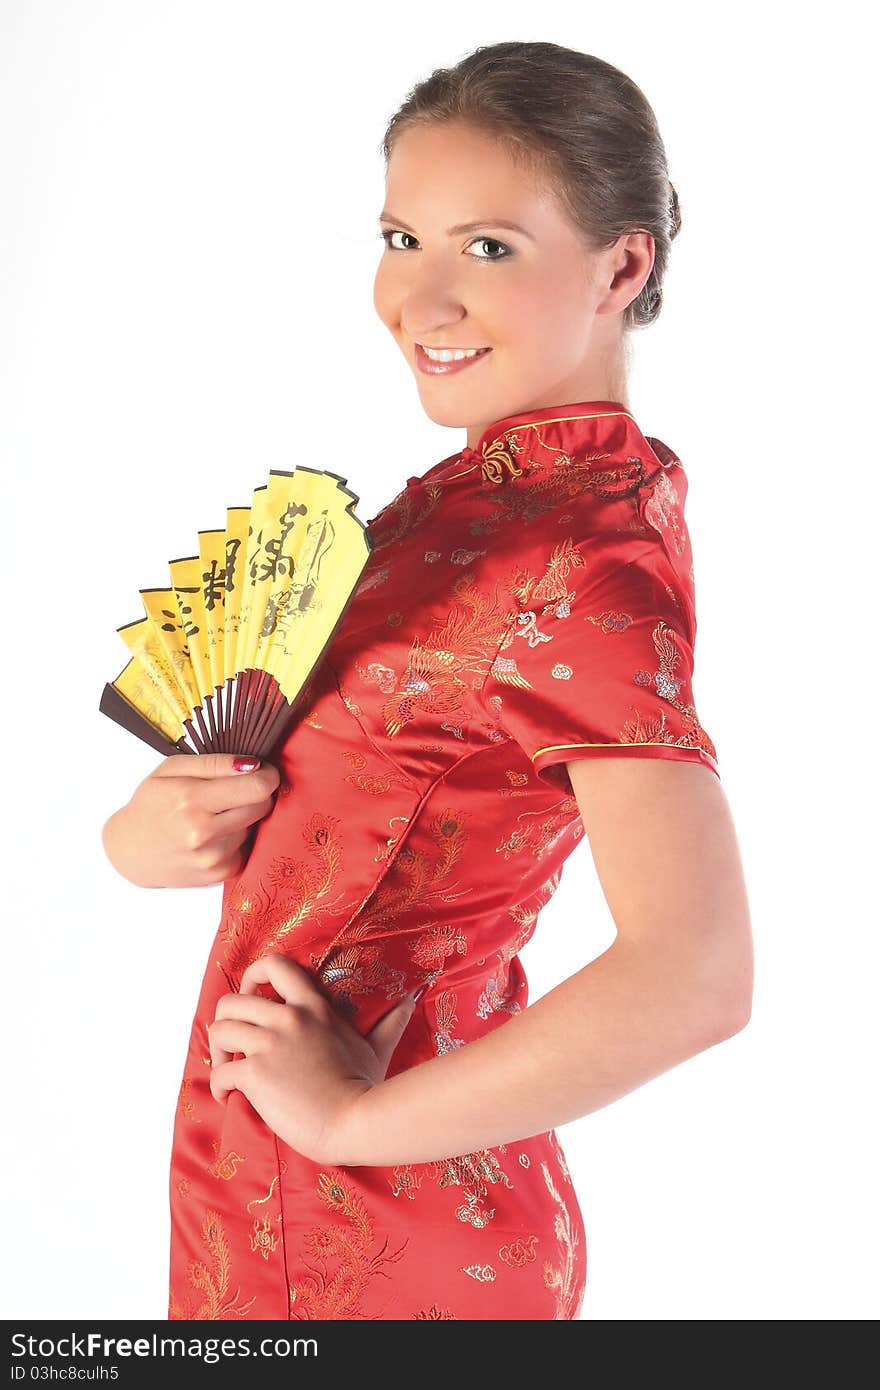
(245, 764)
(418, 994)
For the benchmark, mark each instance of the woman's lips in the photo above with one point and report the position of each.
(424, 363)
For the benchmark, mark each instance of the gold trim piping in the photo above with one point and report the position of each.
(532, 425)
(645, 742)
(558, 419)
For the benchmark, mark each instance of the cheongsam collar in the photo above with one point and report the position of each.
(516, 444)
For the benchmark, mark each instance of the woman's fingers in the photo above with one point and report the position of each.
(238, 789)
(229, 1035)
(291, 981)
(240, 817)
(228, 1076)
(247, 1023)
(251, 1008)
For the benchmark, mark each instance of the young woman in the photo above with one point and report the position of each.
(365, 1120)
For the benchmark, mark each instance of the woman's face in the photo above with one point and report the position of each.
(546, 307)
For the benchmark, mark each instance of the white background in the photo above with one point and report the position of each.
(188, 204)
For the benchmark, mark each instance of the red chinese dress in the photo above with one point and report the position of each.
(526, 602)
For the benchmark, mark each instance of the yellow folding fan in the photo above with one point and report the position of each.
(222, 656)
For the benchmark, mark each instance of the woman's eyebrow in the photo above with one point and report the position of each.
(463, 226)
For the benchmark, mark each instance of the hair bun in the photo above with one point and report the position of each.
(674, 213)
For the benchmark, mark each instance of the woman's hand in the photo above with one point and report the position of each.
(188, 821)
(304, 1065)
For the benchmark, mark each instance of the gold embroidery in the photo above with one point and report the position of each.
(484, 1274)
(560, 1156)
(226, 1166)
(537, 832)
(472, 1213)
(358, 970)
(259, 1201)
(413, 881)
(494, 456)
(213, 1282)
(402, 515)
(241, 903)
(471, 1171)
(640, 730)
(563, 477)
(561, 1282)
(519, 1252)
(667, 687)
(319, 1294)
(512, 843)
(435, 680)
(407, 1180)
(552, 588)
(263, 1238)
(444, 1009)
(434, 946)
(372, 785)
(661, 510)
(289, 894)
(435, 1312)
(185, 1105)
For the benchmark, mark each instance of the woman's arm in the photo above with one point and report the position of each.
(677, 979)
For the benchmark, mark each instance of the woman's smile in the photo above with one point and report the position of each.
(448, 362)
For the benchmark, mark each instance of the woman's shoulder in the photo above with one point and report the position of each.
(579, 527)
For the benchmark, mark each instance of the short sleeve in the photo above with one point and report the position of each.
(598, 659)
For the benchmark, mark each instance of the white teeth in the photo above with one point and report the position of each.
(447, 355)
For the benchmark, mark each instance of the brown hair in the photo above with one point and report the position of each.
(577, 121)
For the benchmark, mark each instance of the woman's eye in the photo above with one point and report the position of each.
(490, 241)
(483, 240)
(386, 237)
